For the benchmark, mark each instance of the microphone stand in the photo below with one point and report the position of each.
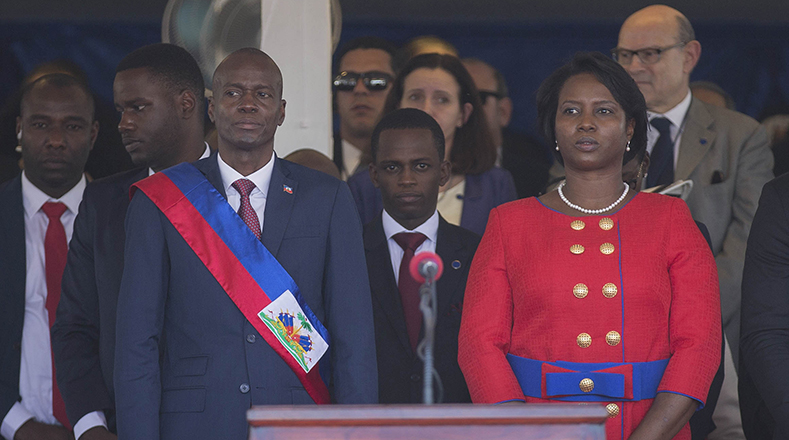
(428, 306)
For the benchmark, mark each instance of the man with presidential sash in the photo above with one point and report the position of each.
(244, 282)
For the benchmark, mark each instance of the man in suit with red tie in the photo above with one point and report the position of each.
(56, 129)
(409, 167)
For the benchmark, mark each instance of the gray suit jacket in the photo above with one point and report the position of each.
(728, 157)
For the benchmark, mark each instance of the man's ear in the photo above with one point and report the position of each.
(373, 173)
(282, 113)
(505, 111)
(211, 109)
(692, 53)
(187, 104)
(94, 133)
(446, 172)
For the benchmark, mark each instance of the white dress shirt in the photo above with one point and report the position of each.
(677, 118)
(261, 178)
(429, 228)
(35, 369)
(351, 157)
(206, 153)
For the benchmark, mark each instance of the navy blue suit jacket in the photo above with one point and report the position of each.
(83, 337)
(188, 364)
(483, 192)
(399, 369)
(12, 290)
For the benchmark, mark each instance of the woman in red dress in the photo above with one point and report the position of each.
(594, 293)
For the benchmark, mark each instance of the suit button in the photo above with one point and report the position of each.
(416, 377)
(609, 290)
(613, 409)
(251, 338)
(577, 225)
(586, 385)
(584, 340)
(244, 388)
(580, 290)
(606, 224)
(607, 248)
(577, 249)
(613, 338)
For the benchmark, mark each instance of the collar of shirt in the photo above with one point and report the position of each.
(206, 153)
(33, 198)
(676, 115)
(429, 228)
(351, 156)
(261, 178)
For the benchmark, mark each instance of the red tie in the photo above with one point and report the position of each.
(55, 250)
(409, 287)
(245, 211)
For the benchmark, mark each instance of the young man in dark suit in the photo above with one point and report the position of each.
(158, 91)
(409, 167)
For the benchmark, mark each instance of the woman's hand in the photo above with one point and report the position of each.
(669, 413)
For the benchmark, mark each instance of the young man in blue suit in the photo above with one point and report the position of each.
(56, 129)
(197, 340)
(409, 167)
(158, 91)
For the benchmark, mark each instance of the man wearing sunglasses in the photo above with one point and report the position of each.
(725, 153)
(524, 157)
(363, 78)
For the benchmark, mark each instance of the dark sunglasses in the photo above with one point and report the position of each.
(374, 81)
(484, 95)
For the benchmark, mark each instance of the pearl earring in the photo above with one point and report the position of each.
(627, 148)
(557, 145)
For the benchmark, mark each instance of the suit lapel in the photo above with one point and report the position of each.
(449, 248)
(382, 280)
(697, 139)
(210, 168)
(12, 224)
(279, 205)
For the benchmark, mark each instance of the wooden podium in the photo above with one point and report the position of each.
(451, 421)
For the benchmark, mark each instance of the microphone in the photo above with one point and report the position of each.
(426, 265)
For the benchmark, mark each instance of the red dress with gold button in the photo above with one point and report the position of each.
(636, 285)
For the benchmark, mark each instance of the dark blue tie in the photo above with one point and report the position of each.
(661, 161)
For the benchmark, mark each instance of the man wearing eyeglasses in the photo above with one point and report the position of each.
(524, 157)
(362, 81)
(725, 153)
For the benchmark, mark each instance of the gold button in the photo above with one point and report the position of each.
(584, 340)
(609, 290)
(577, 225)
(607, 248)
(612, 338)
(606, 224)
(577, 249)
(580, 290)
(586, 385)
(613, 409)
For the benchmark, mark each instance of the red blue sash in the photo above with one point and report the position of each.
(252, 277)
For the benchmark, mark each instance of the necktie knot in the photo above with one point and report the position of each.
(54, 210)
(409, 240)
(663, 126)
(244, 187)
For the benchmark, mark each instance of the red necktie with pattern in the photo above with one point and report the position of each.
(245, 211)
(55, 251)
(408, 286)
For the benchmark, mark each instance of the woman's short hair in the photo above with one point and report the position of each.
(614, 77)
(472, 151)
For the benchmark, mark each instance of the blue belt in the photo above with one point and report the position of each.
(606, 380)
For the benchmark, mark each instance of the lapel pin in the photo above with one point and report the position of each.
(456, 264)
(287, 189)
(703, 141)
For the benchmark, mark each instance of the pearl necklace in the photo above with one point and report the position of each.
(592, 211)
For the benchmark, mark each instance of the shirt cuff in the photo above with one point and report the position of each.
(16, 417)
(88, 421)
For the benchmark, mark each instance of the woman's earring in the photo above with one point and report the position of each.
(627, 148)
(557, 145)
